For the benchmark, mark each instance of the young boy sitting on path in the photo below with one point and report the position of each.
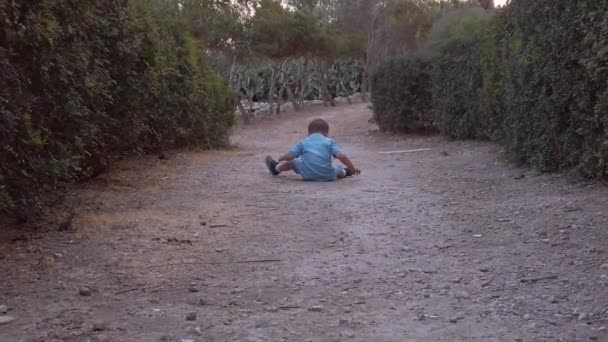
(311, 158)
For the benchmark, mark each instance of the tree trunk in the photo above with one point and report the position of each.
(292, 99)
(370, 49)
(364, 82)
(250, 95)
(282, 79)
(325, 94)
(244, 113)
(232, 70)
(271, 92)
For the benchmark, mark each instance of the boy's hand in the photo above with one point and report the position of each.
(349, 164)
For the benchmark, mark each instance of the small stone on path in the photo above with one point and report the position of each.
(3, 309)
(316, 308)
(100, 326)
(6, 319)
(191, 316)
(462, 295)
(85, 291)
(457, 318)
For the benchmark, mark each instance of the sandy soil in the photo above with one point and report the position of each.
(449, 244)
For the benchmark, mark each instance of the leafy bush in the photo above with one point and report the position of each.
(86, 80)
(534, 78)
(454, 53)
(554, 80)
(402, 95)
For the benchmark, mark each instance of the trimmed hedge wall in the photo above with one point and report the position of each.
(402, 95)
(535, 78)
(83, 80)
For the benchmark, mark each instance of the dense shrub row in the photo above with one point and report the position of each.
(83, 80)
(534, 77)
(402, 93)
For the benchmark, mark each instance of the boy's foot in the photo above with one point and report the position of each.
(271, 164)
(348, 172)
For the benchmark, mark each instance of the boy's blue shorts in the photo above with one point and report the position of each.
(307, 176)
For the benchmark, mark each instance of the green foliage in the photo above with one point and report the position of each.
(86, 80)
(555, 76)
(453, 50)
(402, 95)
(533, 78)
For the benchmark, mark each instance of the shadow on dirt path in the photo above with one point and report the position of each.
(448, 244)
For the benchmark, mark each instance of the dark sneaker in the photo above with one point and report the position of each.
(271, 164)
(348, 172)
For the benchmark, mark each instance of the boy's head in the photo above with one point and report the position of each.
(318, 126)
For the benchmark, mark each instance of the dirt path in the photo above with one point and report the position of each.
(445, 245)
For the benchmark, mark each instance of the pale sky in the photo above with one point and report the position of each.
(500, 2)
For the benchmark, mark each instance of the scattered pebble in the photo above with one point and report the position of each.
(3, 309)
(457, 318)
(191, 316)
(193, 289)
(582, 316)
(6, 319)
(100, 326)
(316, 308)
(85, 291)
(527, 316)
(462, 295)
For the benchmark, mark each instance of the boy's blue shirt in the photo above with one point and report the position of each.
(315, 153)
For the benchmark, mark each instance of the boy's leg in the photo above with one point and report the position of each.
(276, 168)
(286, 166)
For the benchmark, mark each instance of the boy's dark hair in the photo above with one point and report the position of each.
(318, 126)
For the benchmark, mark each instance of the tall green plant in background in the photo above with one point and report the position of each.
(533, 76)
(87, 80)
(402, 98)
(453, 47)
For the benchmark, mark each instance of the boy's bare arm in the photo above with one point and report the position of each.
(347, 162)
(287, 157)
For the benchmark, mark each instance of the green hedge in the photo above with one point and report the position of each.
(84, 80)
(535, 78)
(402, 95)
